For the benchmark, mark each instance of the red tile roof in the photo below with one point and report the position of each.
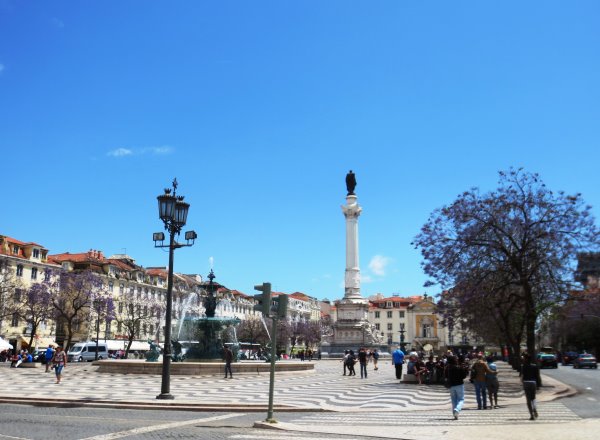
(82, 257)
(238, 293)
(11, 240)
(300, 295)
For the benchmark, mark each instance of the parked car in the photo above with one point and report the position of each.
(568, 356)
(86, 351)
(547, 360)
(39, 356)
(585, 360)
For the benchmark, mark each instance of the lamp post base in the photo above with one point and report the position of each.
(165, 396)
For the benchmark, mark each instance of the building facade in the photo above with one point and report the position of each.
(23, 264)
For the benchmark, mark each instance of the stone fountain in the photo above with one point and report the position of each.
(209, 333)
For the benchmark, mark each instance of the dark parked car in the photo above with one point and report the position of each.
(547, 360)
(39, 356)
(585, 360)
(568, 356)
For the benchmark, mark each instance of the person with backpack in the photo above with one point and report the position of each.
(375, 356)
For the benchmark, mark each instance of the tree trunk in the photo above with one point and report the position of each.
(530, 320)
(33, 332)
(515, 355)
(69, 334)
(129, 342)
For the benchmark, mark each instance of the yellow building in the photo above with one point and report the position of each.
(22, 264)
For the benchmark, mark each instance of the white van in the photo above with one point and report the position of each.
(86, 351)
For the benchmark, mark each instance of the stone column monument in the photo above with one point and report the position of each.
(352, 328)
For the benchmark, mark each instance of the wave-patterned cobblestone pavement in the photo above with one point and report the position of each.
(324, 389)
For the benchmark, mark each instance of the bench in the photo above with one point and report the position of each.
(30, 365)
(409, 378)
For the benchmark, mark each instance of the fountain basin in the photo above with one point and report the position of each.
(135, 366)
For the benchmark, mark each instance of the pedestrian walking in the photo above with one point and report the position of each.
(363, 359)
(530, 376)
(481, 369)
(491, 383)
(350, 361)
(228, 354)
(454, 376)
(398, 361)
(60, 361)
(345, 360)
(48, 356)
(375, 356)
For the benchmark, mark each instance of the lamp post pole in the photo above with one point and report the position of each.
(173, 212)
(165, 387)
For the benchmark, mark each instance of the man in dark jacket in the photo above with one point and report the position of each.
(455, 375)
(530, 376)
(363, 359)
(228, 360)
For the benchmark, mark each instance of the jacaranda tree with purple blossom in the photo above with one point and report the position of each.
(73, 297)
(9, 283)
(136, 316)
(34, 305)
(521, 239)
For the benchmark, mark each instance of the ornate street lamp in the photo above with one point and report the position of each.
(173, 211)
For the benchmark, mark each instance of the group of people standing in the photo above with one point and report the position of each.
(55, 359)
(483, 375)
(363, 357)
(452, 370)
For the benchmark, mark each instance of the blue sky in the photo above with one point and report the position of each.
(260, 108)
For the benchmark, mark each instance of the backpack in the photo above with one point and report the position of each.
(473, 375)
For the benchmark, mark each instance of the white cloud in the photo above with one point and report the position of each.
(366, 279)
(159, 150)
(120, 152)
(378, 264)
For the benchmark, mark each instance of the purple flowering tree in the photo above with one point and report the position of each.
(73, 297)
(135, 315)
(9, 283)
(35, 306)
(519, 240)
(102, 310)
(252, 330)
